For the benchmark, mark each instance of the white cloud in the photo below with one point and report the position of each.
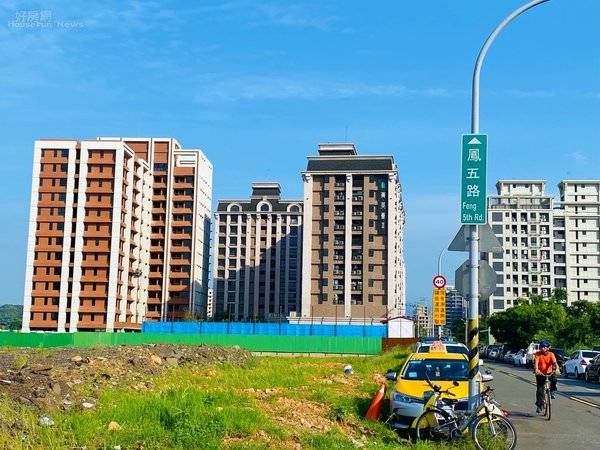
(214, 88)
(579, 157)
(531, 94)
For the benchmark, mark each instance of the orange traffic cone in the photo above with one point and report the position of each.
(374, 411)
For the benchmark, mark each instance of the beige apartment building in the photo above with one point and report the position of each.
(114, 234)
(353, 263)
(258, 242)
(423, 320)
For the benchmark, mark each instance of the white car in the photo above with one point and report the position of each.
(531, 351)
(578, 362)
(520, 358)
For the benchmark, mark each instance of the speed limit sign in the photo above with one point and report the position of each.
(439, 281)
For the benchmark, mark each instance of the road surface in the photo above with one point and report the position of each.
(575, 412)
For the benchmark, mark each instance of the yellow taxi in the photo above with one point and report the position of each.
(442, 368)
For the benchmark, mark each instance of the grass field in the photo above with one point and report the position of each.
(271, 402)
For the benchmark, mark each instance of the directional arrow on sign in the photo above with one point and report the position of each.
(474, 141)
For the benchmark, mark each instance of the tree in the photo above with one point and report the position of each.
(458, 330)
(10, 316)
(519, 325)
(559, 295)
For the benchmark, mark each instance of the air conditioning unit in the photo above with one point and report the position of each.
(292, 314)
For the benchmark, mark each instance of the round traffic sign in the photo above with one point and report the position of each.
(439, 281)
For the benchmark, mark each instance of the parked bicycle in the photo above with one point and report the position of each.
(487, 425)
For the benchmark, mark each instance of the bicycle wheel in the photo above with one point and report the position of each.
(495, 434)
(547, 406)
(433, 426)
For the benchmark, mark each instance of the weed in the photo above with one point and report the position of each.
(20, 361)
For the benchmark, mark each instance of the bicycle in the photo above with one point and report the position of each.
(487, 424)
(547, 411)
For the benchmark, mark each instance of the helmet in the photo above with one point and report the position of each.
(545, 343)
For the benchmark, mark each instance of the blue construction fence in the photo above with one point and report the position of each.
(261, 328)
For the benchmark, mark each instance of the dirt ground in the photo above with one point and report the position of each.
(50, 378)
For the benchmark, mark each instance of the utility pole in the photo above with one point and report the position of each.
(473, 309)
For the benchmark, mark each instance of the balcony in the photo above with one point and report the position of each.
(339, 184)
(338, 227)
(357, 198)
(338, 272)
(357, 227)
(338, 243)
(339, 213)
(339, 198)
(357, 213)
(338, 287)
(338, 257)
(356, 272)
(357, 257)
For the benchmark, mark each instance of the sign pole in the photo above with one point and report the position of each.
(473, 310)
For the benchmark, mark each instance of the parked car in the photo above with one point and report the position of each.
(492, 351)
(532, 349)
(508, 356)
(407, 398)
(520, 358)
(482, 348)
(592, 372)
(578, 362)
(560, 357)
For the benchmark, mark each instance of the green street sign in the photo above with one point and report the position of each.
(473, 204)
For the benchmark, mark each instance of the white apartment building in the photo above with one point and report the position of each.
(546, 244)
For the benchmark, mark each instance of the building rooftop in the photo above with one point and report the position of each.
(266, 189)
(337, 149)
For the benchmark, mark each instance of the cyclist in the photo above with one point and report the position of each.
(544, 364)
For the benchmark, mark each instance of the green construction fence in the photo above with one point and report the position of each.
(254, 343)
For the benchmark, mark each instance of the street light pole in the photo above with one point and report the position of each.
(473, 310)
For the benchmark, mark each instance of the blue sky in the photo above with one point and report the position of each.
(248, 80)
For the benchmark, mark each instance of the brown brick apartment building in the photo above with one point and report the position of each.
(258, 244)
(353, 264)
(109, 217)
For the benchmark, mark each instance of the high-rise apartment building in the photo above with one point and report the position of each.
(181, 218)
(546, 245)
(456, 308)
(353, 264)
(258, 242)
(119, 231)
(423, 320)
(89, 237)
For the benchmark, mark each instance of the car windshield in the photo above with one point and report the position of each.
(589, 354)
(436, 369)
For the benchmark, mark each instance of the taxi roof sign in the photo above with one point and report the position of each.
(437, 346)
